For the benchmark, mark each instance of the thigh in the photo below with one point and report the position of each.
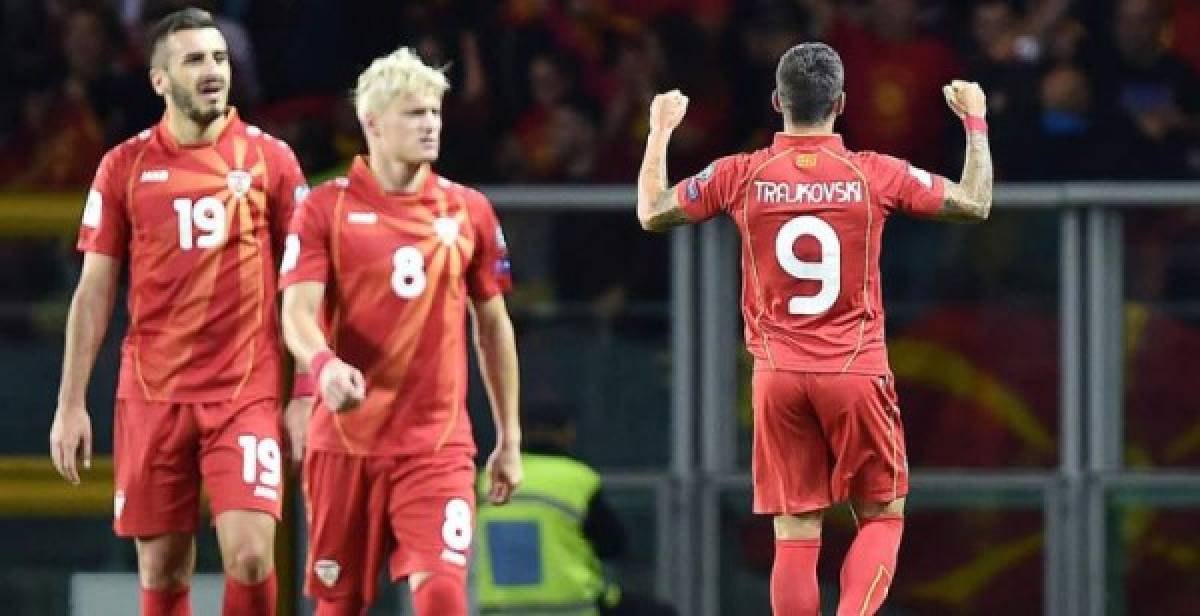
(157, 475)
(347, 530)
(791, 457)
(861, 418)
(240, 458)
(431, 510)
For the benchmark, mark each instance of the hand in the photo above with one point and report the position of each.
(504, 473)
(71, 441)
(965, 98)
(341, 385)
(667, 111)
(295, 421)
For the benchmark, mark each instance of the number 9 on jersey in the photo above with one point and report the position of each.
(827, 271)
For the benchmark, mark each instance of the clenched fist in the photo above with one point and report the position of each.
(341, 385)
(965, 98)
(667, 111)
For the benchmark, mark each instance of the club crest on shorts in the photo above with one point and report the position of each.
(238, 182)
(327, 571)
(446, 229)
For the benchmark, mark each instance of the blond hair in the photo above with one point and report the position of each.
(398, 73)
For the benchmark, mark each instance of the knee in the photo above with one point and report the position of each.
(249, 563)
(163, 570)
(890, 509)
(799, 526)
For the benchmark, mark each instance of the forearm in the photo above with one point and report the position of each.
(496, 346)
(301, 331)
(304, 339)
(653, 191)
(971, 198)
(87, 322)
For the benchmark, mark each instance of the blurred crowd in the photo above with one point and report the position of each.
(557, 90)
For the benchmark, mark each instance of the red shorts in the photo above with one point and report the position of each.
(417, 511)
(163, 451)
(821, 439)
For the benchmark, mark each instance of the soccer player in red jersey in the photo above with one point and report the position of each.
(198, 206)
(380, 270)
(827, 426)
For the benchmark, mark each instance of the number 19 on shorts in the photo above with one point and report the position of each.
(262, 465)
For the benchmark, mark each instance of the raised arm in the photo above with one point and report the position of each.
(658, 208)
(87, 322)
(969, 199)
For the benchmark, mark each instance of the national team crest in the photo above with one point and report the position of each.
(327, 571)
(238, 182)
(446, 229)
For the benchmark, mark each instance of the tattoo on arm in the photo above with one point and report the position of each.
(970, 199)
(665, 212)
(658, 209)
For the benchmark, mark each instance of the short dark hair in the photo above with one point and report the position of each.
(809, 79)
(184, 19)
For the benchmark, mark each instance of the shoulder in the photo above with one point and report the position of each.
(476, 201)
(739, 162)
(451, 187)
(325, 194)
(874, 162)
(271, 144)
(122, 155)
(566, 465)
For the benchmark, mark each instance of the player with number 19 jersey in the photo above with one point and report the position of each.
(811, 216)
(202, 227)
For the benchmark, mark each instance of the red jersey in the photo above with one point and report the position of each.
(811, 217)
(398, 270)
(201, 225)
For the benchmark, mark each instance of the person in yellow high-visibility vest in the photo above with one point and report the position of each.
(542, 553)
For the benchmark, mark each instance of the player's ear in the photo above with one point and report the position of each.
(775, 104)
(839, 105)
(158, 80)
(370, 123)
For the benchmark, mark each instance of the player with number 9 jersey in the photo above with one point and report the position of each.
(379, 273)
(827, 423)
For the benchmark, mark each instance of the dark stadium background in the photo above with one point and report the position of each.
(1046, 359)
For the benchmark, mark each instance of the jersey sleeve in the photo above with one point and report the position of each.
(902, 187)
(490, 270)
(105, 225)
(306, 255)
(289, 190)
(711, 191)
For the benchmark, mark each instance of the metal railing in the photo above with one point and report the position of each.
(1090, 464)
(703, 327)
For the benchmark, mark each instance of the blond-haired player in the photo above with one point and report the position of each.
(380, 270)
